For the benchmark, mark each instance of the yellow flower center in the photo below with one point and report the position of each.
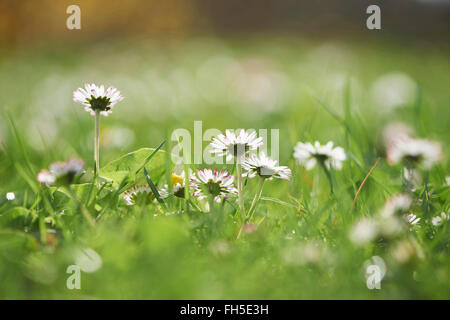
(176, 179)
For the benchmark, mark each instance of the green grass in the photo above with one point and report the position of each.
(316, 92)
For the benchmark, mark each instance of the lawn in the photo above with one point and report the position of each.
(300, 241)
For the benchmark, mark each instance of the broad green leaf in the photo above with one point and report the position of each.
(128, 165)
(81, 191)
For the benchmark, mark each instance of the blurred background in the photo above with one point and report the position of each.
(258, 63)
(30, 22)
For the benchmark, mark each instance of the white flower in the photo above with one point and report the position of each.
(393, 90)
(447, 180)
(396, 131)
(439, 220)
(414, 151)
(177, 182)
(406, 250)
(138, 193)
(399, 203)
(411, 218)
(364, 231)
(62, 172)
(264, 167)
(216, 183)
(10, 196)
(391, 226)
(46, 177)
(96, 98)
(308, 155)
(231, 145)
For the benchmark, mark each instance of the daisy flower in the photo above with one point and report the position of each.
(139, 193)
(61, 172)
(414, 151)
(399, 203)
(97, 101)
(363, 231)
(96, 98)
(217, 184)
(264, 167)
(230, 145)
(177, 182)
(439, 220)
(308, 155)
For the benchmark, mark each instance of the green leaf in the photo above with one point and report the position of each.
(129, 164)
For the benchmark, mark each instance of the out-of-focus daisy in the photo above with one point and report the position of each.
(393, 90)
(439, 220)
(364, 231)
(230, 145)
(309, 155)
(395, 131)
(406, 250)
(264, 167)
(411, 218)
(61, 172)
(396, 205)
(390, 227)
(414, 152)
(138, 194)
(96, 98)
(218, 184)
(10, 196)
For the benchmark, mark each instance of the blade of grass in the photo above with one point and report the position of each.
(154, 190)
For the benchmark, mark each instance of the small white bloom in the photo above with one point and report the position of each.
(411, 218)
(364, 231)
(96, 98)
(414, 151)
(215, 183)
(230, 145)
(308, 155)
(439, 220)
(447, 180)
(264, 167)
(10, 196)
(396, 204)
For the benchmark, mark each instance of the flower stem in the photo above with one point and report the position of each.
(239, 182)
(253, 206)
(97, 143)
(255, 199)
(327, 172)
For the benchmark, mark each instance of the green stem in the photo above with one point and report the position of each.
(253, 206)
(327, 172)
(187, 199)
(97, 143)
(255, 199)
(315, 189)
(240, 197)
